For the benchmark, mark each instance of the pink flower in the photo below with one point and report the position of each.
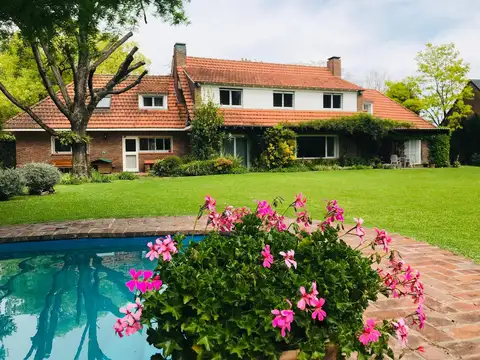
(264, 209)
(421, 316)
(300, 201)
(210, 203)
(289, 258)
(370, 334)
(421, 349)
(319, 313)
(334, 211)
(130, 323)
(132, 284)
(153, 253)
(267, 257)
(166, 248)
(308, 299)
(382, 238)
(401, 329)
(359, 230)
(304, 218)
(283, 319)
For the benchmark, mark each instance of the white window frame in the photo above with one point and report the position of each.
(52, 142)
(156, 151)
(235, 137)
(369, 109)
(105, 99)
(283, 99)
(153, 107)
(230, 89)
(331, 101)
(417, 151)
(335, 148)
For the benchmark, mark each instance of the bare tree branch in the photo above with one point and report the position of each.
(109, 49)
(27, 110)
(47, 83)
(58, 76)
(126, 88)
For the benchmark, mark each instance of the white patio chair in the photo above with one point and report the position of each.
(394, 160)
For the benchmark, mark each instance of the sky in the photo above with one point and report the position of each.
(369, 35)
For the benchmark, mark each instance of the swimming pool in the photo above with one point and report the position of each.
(59, 299)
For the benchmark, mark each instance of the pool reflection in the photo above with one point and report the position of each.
(63, 306)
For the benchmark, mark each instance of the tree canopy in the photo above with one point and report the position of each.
(406, 92)
(63, 36)
(19, 73)
(443, 81)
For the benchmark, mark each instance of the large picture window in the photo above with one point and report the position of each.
(317, 146)
(156, 144)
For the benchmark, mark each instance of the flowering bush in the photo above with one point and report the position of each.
(256, 286)
(280, 144)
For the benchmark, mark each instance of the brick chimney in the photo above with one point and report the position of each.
(334, 64)
(180, 54)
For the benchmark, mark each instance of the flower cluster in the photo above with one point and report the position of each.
(162, 247)
(383, 239)
(226, 220)
(130, 323)
(369, 334)
(270, 218)
(283, 319)
(334, 213)
(143, 283)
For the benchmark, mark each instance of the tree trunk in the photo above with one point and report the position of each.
(80, 159)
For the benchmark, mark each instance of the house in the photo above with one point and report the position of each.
(153, 119)
(465, 141)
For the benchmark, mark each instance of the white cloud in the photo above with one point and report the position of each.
(367, 34)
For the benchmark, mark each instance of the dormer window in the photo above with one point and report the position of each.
(153, 102)
(332, 101)
(283, 99)
(368, 107)
(105, 103)
(231, 97)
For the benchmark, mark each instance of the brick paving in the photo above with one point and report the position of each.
(452, 282)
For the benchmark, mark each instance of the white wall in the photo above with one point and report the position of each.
(261, 98)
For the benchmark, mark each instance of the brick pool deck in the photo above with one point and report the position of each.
(452, 282)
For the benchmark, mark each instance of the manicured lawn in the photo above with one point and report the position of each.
(441, 206)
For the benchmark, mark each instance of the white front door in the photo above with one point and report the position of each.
(130, 154)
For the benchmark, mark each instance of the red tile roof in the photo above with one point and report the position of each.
(260, 74)
(124, 112)
(386, 108)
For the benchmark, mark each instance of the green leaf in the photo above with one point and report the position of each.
(169, 347)
(204, 341)
(187, 298)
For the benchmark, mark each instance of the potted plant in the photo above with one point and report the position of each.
(257, 288)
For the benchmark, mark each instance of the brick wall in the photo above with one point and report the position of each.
(425, 152)
(36, 147)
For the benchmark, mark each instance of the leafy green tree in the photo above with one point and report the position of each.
(406, 92)
(443, 81)
(69, 30)
(207, 135)
(19, 73)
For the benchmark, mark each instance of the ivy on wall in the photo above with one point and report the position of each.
(439, 147)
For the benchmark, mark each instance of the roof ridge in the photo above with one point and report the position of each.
(257, 62)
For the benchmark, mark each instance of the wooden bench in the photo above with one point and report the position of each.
(148, 164)
(62, 164)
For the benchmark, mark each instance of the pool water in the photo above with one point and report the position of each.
(60, 299)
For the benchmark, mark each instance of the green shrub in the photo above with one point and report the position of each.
(169, 166)
(100, 178)
(40, 177)
(70, 179)
(198, 168)
(125, 175)
(280, 144)
(475, 159)
(207, 131)
(312, 163)
(228, 165)
(439, 146)
(11, 183)
(355, 160)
